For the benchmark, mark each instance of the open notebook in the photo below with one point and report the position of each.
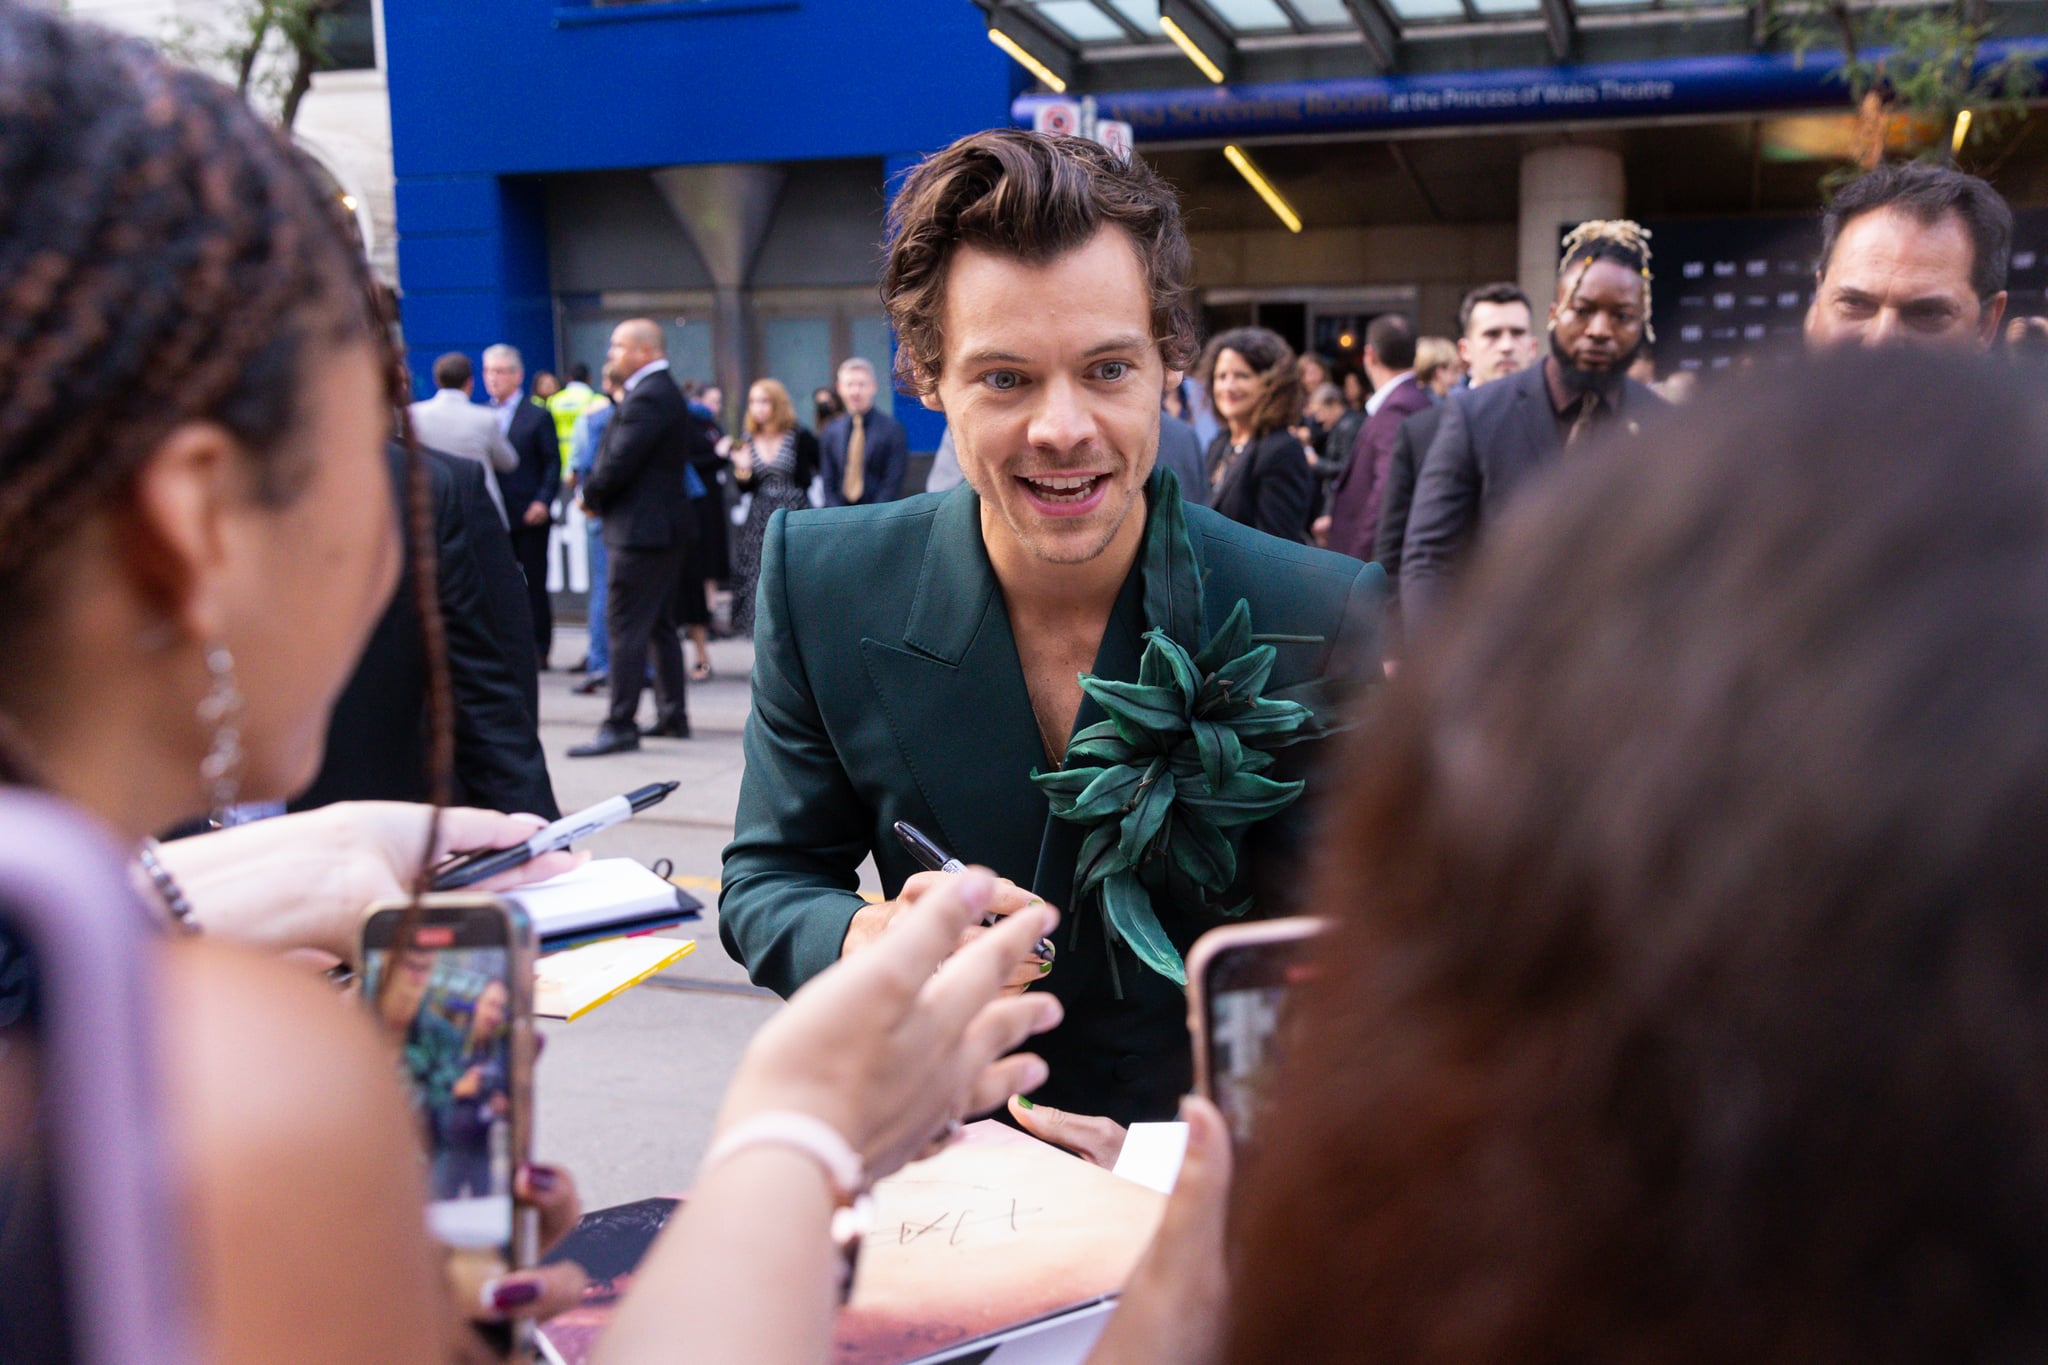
(604, 898)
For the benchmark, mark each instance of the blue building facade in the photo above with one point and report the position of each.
(502, 112)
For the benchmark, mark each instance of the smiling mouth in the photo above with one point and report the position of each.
(1062, 488)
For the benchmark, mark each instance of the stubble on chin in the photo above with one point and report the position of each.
(1076, 548)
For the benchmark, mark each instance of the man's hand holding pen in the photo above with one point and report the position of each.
(872, 921)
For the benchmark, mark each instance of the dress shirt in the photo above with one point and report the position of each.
(503, 411)
(1386, 391)
(651, 367)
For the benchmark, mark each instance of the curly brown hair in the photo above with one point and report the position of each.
(1272, 359)
(1033, 197)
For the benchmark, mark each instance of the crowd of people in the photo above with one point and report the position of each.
(1685, 983)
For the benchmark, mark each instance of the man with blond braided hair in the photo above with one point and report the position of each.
(1493, 438)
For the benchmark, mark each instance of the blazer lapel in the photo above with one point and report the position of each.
(954, 695)
(1539, 420)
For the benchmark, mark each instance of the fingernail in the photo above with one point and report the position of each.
(1023, 1103)
(504, 1295)
(1044, 967)
(542, 1179)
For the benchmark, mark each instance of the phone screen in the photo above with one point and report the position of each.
(1245, 991)
(33, 1320)
(449, 1011)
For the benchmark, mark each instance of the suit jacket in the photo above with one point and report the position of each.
(538, 479)
(450, 423)
(887, 687)
(1271, 489)
(377, 736)
(1335, 454)
(1355, 502)
(1487, 447)
(885, 454)
(636, 484)
(1410, 443)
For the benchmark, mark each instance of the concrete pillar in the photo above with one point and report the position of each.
(726, 209)
(1562, 185)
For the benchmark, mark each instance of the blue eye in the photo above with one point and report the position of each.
(1002, 380)
(1114, 370)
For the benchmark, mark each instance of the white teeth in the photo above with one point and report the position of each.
(1056, 487)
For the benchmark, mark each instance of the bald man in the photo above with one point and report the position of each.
(636, 486)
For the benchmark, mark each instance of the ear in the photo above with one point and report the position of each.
(1170, 382)
(1988, 319)
(931, 401)
(176, 545)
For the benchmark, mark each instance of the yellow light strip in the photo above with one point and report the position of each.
(1962, 132)
(1030, 63)
(1280, 206)
(1187, 45)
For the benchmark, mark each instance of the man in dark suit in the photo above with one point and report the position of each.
(1496, 338)
(863, 453)
(530, 488)
(919, 661)
(1494, 439)
(1396, 396)
(636, 485)
(377, 736)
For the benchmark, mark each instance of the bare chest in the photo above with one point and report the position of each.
(1053, 660)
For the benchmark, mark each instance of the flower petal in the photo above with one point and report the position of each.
(1128, 909)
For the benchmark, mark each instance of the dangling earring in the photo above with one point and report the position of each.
(220, 710)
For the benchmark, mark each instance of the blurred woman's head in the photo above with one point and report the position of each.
(1252, 379)
(195, 395)
(1689, 994)
(769, 409)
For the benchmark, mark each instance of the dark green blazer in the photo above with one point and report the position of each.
(887, 687)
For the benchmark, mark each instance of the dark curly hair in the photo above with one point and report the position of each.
(1272, 359)
(1688, 996)
(1032, 197)
(166, 256)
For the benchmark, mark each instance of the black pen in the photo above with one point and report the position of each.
(472, 868)
(935, 859)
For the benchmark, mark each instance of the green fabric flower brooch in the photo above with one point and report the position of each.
(1168, 784)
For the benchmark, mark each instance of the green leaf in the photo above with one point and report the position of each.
(1237, 682)
(1233, 639)
(1245, 799)
(1064, 784)
(1097, 861)
(1263, 719)
(1152, 803)
(1222, 752)
(1150, 717)
(1128, 908)
(1166, 664)
(1101, 743)
(1111, 791)
(1202, 852)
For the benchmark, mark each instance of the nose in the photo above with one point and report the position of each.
(1600, 326)
(1062, 418)
(1883, 329)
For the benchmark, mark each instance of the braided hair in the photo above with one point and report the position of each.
(166, 256)
(1619, 240)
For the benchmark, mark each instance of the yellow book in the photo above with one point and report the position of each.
(570, 984)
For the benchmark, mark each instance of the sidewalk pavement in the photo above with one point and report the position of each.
(625, 1096)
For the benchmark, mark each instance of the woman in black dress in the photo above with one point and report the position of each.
(774, 463)
(1258, 472)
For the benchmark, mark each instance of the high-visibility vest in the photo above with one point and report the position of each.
(565, 407)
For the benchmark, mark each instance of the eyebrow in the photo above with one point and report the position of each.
(1131, 342)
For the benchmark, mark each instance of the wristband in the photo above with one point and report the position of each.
(813, 1137)
(843, 1168)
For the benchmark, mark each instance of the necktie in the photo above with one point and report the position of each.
(1582, 425)
(856, 459)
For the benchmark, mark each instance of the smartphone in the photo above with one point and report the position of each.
(91, 1253)
(459, 1008)
(1238, 979)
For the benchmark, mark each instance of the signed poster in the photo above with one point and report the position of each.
(996, 1230)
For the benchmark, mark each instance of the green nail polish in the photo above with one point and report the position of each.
(1044, 967)
(1023, 1103)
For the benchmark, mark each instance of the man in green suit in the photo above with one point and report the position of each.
(920, 660)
